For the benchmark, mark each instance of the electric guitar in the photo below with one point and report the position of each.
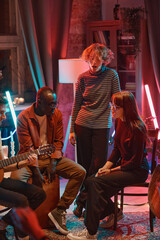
(46, 150)
(154, 192)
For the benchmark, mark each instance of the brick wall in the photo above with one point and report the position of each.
(82, 11)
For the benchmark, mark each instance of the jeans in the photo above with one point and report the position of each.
(65, 168)
(15, 193)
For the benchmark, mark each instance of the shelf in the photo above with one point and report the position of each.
(127, 71)
(123, 46)
(126, 46)
(127, 37)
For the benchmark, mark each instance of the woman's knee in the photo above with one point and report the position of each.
(89, 181)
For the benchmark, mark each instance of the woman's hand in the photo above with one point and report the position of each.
(103, 171)
(32, 160)
(72, 138)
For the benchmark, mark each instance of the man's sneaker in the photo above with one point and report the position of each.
(58, 217)
(78, 210)
(82, 235)
(110, 222)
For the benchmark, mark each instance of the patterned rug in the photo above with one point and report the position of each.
(132, 226)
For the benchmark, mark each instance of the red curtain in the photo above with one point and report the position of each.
(45, 27)
(153, 22)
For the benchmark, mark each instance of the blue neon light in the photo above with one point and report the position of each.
(13, 116)
(11, 108)
(6, 138)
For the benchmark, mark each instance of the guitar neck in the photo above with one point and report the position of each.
(11, 160)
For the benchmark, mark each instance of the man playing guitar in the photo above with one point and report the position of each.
(15, 193)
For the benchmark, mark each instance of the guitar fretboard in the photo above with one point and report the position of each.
(11, 160)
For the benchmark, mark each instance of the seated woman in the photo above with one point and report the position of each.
(129, 149)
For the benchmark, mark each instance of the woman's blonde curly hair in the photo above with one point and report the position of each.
(100, 50)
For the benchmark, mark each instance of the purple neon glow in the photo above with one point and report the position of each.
(152, 108)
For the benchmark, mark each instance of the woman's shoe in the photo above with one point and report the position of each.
(110, 222)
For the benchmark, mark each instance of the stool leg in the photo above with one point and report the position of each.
(151, 220)
(121, 206)
(115, 210)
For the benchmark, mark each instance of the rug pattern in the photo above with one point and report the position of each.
(132, 226)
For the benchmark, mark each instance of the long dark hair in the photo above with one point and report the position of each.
(126, 100)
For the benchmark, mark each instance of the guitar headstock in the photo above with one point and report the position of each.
(47, 150)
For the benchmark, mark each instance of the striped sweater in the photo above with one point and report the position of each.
(91, 106)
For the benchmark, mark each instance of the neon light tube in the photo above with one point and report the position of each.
(11, 108)
(152, 108)
(113, 133)
(67, 136)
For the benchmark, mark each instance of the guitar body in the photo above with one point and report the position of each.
(1, 174)
(154, 193)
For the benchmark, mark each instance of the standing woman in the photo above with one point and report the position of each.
(129, 148)
(91, 114)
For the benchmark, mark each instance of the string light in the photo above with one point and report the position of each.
(11, 108)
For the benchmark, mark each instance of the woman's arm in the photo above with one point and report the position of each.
(107, 168)
(114, 157)
(77, 101)
(115, 83)
(136, 151)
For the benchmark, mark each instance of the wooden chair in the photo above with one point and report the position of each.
(153, 135)
(154, 192)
